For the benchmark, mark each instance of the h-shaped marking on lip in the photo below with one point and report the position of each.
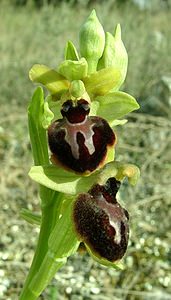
(113, 220)
(86, 129)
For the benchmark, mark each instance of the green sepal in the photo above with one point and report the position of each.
(30, 217)
(47, 117)
(74, 70)
(115, 265)
(61, 180)
(71, 51)
(92, 41)
(37, 132)
(51, 79)
(94, 108)
(115, 55)
(110, 155)
(115, 105)
(63, 239)
(67, 182)
(101, 82)
(62, 243)
(108, 54)
(118, 122)
(77, 88)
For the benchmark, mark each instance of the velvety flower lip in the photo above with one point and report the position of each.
(101, 222)
(78, 141)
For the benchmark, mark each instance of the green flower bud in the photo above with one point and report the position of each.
(115, 55)
(108, 56)
(73, 70)
(77, 88)
(92, 41)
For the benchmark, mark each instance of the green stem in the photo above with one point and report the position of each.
(49, 216)
(46, 272)
(61, 244)
(48, 258)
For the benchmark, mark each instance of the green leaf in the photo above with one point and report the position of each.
(101, 82)
(61, 244)
(115, 105)
(73, 70)
(38, 138)
(61, 180)
(71, 51)
(51, 79)
(30, 217)
(37, 132)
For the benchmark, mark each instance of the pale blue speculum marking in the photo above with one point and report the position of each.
(85, 128)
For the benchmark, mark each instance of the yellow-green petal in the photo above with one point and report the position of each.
(51, 79)
(74, 70)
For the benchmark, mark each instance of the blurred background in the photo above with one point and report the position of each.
(35, 31)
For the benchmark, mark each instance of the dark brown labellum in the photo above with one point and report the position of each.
(78, 141)
(101, 222)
